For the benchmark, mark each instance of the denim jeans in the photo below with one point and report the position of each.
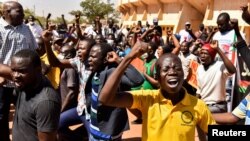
(218, 107)
(91, 138)
(229, 89)
(69, 118)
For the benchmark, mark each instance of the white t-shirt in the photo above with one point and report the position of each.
(36, 29)
(226, 41)
(90, 31)
(186, 59)
(212, 82)
(184, 36)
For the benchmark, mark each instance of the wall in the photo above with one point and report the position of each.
(174, 13)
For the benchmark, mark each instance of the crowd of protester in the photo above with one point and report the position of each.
(58, 76)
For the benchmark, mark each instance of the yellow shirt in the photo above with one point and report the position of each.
(54, 73)
(162, 121)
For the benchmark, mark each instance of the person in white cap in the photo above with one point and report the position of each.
(186, 34)
(157, 27)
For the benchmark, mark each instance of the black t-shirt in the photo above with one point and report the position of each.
(38, 111)
(159, 29)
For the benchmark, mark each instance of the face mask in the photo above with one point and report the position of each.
(111, 42)
(60, 56)
(144, 56)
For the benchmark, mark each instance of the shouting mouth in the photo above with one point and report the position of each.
(18, 83)
(173, 82)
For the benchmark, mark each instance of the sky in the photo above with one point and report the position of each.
(55, 7)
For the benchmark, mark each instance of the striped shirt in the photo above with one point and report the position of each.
(94, 129)
(243, 110)
(83, 74)
(14, 39)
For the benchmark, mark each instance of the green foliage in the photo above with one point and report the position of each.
(58, 20)
(93, 8)
(76, 12)
(28, 12)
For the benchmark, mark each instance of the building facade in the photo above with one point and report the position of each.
(174, 13)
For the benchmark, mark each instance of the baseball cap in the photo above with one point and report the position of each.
(187, 23)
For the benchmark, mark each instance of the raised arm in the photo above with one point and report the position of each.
(47, 21)
(78, 29)
(69, 37)
(177, 45)
(211, 34)
(108, 94)
(245, 14)
(39, 22)
(131, 76)
(147, 32)
(64, 63)
(241, 44)
(5, 72)
(64, 22)
(191, 33)
(229, 65)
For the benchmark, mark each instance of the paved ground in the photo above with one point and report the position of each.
(134, 134)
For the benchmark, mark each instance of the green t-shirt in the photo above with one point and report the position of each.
(150, 71)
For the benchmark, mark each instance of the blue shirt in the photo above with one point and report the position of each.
(243, 110)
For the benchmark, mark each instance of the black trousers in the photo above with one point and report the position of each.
(6, 95)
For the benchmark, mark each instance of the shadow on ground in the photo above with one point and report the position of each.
(132, 139)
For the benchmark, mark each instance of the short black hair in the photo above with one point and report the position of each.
(153, 46)
(31, 55)
(159, 62)
(90, 43)
(112, 35)
(167, 48)
(71, 49)
(224, 15)
(105, 48)
(188, 43)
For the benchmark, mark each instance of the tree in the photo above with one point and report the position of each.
(93, 8)
(78, 12)
(27, 13)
